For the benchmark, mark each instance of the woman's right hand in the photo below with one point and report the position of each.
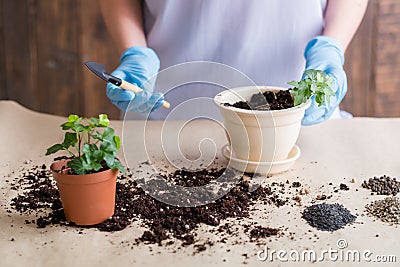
(138, 66)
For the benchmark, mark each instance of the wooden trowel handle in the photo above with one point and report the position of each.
(131, 87)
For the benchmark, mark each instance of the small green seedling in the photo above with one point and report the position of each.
(317, 83)
(91, 145)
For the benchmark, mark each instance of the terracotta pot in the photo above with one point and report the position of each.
(87, 199)
(258, 135)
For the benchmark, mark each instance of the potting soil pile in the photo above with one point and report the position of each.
(163, 222)
(166, 224)
(268, 100)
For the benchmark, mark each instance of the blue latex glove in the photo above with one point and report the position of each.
(138, 65)
(325, 53)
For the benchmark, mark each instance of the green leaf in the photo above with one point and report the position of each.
(312, 74)
(67, 125)
(109, 159)
(78, 128)
(108, 134)
(73, 123)
(98, 136)
(87, 148)
(329, 81)
(95, 121)
(316, 82)
(118, 165)
(103, 120)
(117, 142)
(70, 139)
(319, 98)
(92, 157)
(77, 165)
(96, 166)
(97, 155)
(313, 88)
(108, 147)
(294, 83)
(74, 118)
(54, 148)
(328, 94)
(89, 164)
(86, 161)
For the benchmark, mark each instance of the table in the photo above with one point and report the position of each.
(334, 151)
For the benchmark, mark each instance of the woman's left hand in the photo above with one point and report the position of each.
(325, 53)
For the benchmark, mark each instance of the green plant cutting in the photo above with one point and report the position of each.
(91, 145)
(316, 82)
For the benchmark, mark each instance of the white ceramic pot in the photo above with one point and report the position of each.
(255, 135)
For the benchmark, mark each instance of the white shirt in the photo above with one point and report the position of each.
(264, 39)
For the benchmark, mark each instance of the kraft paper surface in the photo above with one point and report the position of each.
(332, 152)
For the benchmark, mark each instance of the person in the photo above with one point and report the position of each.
(271, 41)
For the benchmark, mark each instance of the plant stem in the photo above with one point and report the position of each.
(79, 144)
(70, 153)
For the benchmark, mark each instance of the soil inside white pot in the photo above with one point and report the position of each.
(268, 100)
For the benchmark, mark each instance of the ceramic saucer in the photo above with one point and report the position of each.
(261, 167)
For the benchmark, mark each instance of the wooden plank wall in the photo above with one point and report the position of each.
(43, 44)
(387, 77)
(43, 48)
(359, 65)
(20, 52)
(3, 88)
(57, 37)
(96, 46)
(373, 63)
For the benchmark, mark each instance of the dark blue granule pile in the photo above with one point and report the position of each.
(328, 217)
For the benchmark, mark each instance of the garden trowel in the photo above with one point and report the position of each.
(100, 71)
